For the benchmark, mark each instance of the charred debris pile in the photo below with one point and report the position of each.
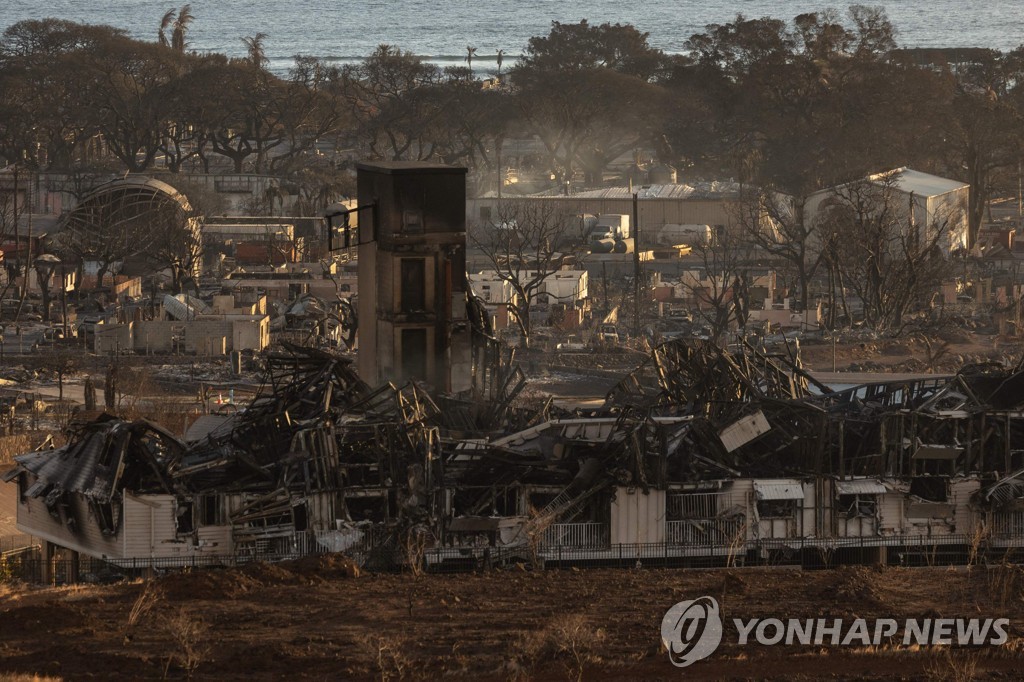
(320, 460)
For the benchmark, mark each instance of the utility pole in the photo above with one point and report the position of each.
(17, 244)
(64, 301)
(604, 281)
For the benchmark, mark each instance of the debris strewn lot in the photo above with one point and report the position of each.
(320, 620)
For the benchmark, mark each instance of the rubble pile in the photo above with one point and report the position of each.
(700, 446)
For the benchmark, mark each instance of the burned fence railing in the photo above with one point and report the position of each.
(715, 532)
(594, 535)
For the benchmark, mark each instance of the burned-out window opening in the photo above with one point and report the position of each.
(69, 517)
(373, 509)
(59, 506)
(53, 499)
(538, 500)
(507, 502)
(105, 518)
(107, 452)
(414, 353)
(210, 511)
(776, 509)
(300, 517)
(359, 475)
(414, 284)
(183, 521)
(931, 488)
(857, 505)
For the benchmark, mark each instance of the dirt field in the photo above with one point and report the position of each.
(911, 354)
(314, 620)
(317, 620)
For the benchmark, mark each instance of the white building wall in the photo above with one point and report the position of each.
(35, 519)
(890, 509)
(637, 517)
(806, 513)
(149, 526)
(965, 519)
(947, 208)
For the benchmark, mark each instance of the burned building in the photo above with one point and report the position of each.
(412, 283)
(701, 451)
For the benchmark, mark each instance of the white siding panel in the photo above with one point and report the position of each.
(806, 528)
(636, 517)
(150, 530)
(856, 526)
(890, 507)
(965, 518)
(214, 540)
(138, 527)
(739, 494)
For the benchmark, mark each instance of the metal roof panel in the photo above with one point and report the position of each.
(865, 486)
(780, 489)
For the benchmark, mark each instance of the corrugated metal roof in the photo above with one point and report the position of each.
(700, 190)
(861, 487)
(210, 424)
(87, 467)
(780, 489)
(919, 183)
(92, 465)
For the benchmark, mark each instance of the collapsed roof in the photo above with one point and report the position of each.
(693, 412)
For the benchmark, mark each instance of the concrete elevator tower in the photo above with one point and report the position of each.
(412, 275)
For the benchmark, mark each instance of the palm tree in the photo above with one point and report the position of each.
(165, 24)
(501, 58)
(470, 53)
(257, 53)
(181, 25)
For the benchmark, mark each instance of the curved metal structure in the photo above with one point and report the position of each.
(124, 216)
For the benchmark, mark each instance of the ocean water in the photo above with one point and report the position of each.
(347, 30)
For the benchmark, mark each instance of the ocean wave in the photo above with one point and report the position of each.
(344, 31)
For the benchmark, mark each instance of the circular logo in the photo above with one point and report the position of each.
(691, 631)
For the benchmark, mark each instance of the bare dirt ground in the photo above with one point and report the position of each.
(8, 505)
(594, 373)
(315, 620)
(911, 354)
